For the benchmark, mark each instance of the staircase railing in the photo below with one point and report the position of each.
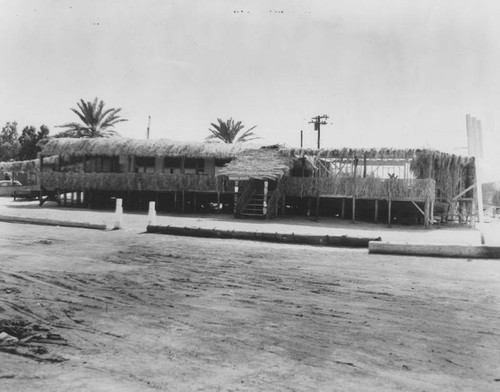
(245, 197)
(274, 199)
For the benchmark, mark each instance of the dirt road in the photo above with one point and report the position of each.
(124, 311)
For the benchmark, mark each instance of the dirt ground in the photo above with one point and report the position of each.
(128, 311)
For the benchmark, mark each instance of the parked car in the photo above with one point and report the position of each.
(10, 183)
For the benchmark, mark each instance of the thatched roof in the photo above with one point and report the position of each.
(373, 153)
(259, 164)
(140, 147)
(25, 166)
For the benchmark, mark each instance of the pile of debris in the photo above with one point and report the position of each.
(28, 339)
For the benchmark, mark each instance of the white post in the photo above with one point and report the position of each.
(152, 214)
(475, 145)
(118, 214)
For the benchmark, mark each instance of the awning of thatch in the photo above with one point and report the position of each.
(262, 164)
(140, 147)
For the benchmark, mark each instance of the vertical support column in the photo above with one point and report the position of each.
(40, 196)
(218, 201)
(183, 200)
(283, 205)
(375, 218)
(426, 213)
(354, 208)
(151, 214)
(264, 203)
(317, 205)
(195, 200)
(308, 206)
(389, 207)
(236, 190)
(342, 212)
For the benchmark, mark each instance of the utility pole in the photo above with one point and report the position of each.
(301, 138)
(318, 121)
(149, 123)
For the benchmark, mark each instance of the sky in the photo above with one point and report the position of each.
(395, 73)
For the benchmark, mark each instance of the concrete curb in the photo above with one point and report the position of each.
(324, 240)
(51, 222)
(435, 250)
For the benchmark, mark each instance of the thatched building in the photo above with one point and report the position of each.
(376, 184)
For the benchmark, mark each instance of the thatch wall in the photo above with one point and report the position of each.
(140, 147)
(134, 182)
(363, 188)
(453, 173)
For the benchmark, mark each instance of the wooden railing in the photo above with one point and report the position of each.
(78, 181)
(362, 188)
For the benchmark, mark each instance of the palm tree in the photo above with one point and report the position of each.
(228, 132)
(96, 121)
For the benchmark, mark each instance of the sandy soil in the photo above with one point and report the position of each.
(128, 311)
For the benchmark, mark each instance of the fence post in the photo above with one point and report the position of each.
(118, 214)
(152, 214)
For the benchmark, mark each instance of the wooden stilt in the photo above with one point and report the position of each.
(308, 206)
(317, 206)
(353, 208)
(426, 213)
(218, 202)
(342, 212)
(375, 218)
(236, 190)
(183, 199)
(283, 205)
(389, 217)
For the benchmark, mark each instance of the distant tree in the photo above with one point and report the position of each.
(96, 121)
(9, 145)
(231, 132)
(28, 142)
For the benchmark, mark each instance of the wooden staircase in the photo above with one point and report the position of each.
(252, 203)
(255, 208)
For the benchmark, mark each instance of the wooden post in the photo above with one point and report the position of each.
(283, 205)
(389, 207)
(194, 201)
(183, 199)
(426, 213)
(236, 189)
(364, 165)
(317, 205)
(342, 212)
(376, 211)
(308, 206)
(218, 202)
(264, 202)
(354, 208)
(40, 196)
